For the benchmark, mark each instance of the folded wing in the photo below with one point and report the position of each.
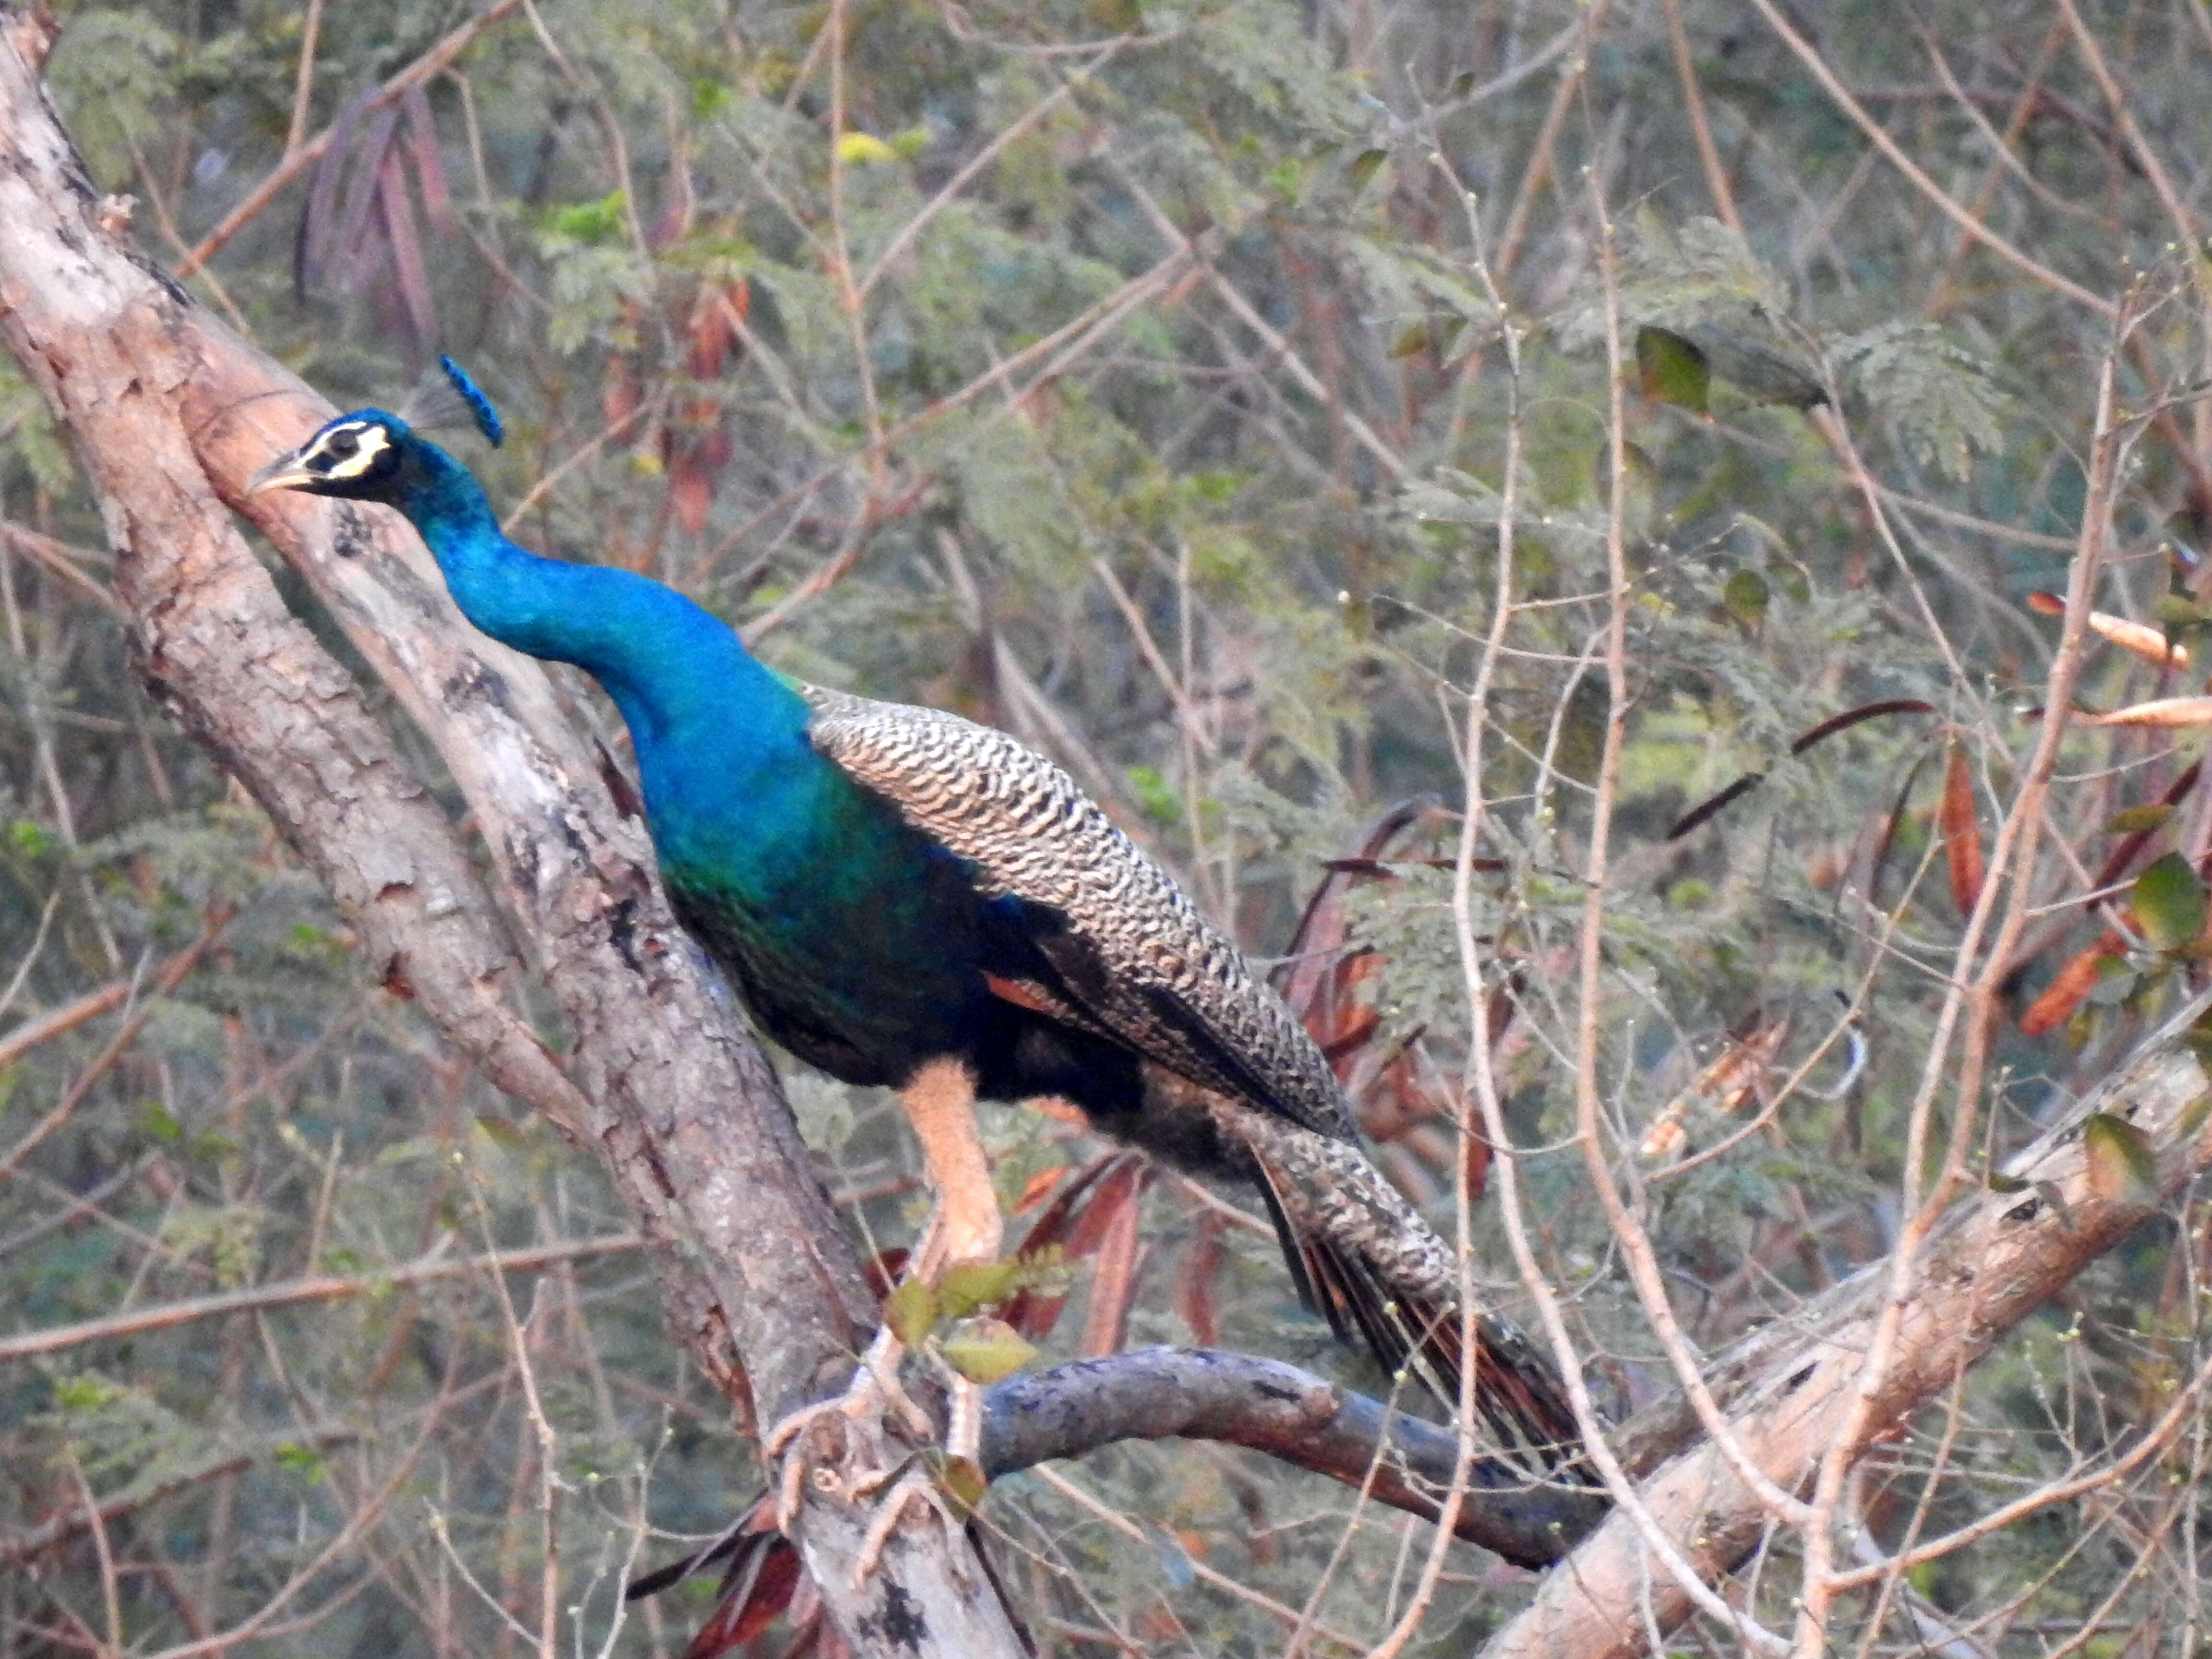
(1132, 958)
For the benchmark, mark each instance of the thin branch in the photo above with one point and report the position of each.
(317, 1287)
(303, 83)
(1879, 136)
(1244, 1400)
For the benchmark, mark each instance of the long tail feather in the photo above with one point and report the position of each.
(1391, 1298)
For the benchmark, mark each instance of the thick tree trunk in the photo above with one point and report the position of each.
(169, 413)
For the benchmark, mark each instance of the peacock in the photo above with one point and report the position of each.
(905, 898)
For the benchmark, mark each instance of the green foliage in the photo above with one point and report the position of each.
(2168, 899)
(941, 410)
(1941, 401)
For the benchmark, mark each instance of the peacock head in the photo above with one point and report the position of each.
(364, 456)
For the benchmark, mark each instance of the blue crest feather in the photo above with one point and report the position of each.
(451, 403)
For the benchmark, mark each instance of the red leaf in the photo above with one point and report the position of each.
(881, 1270)
(759, 1584)
(1036, 1187)
(2125, 853)
(1113, 1284)
(1962, 832)
(618, 392)
(690, 492)
(1322, 930)
(1195, 1285)
(2068, 988)
(1077, 1223)
(707, 335)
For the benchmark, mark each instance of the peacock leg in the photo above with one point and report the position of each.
(963, 1225)
(939, 1100)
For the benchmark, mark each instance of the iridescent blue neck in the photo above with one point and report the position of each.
(677, 671)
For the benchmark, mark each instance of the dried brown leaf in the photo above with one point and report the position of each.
(2162, 712)
(1962, 831)
(430, 162)
(1195, 1284)
(2145, 641)
(1725, 1085)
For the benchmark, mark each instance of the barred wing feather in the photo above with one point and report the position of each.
(1133, 956)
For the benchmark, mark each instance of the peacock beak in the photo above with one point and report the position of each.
(285, 473)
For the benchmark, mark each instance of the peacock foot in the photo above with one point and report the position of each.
(872, 1401)
(912, 1487)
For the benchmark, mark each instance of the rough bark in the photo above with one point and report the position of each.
(169, 413)
(1790, 1387)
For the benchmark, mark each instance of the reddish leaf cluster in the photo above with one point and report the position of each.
(359, 228)
(1397, 1090)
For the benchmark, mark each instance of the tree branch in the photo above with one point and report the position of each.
(1243, 1399)
(1792, 1385)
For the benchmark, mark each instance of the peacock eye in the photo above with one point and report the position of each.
(342, 445)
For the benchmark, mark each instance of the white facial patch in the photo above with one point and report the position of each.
(349, 459)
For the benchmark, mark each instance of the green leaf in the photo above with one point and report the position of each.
(2132, 820)
(1671, 370)
(1410, 340)
(861, 149)
(1745, 596)
(587, 221)
(1792, 580)
(962, 1481)
(2176, 611)
(304, 1462)
(2116, 983)
(1941, 401)
(967, 1285)
(2169, 901)
(909, 1310)
(985, 1350)
(2121, 1164)
(1365, 165)
(1155, 795)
